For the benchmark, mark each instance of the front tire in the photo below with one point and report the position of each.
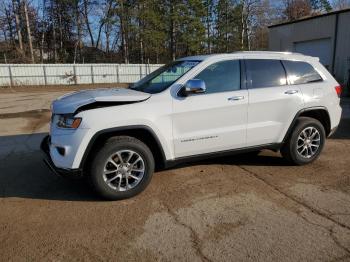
(305, 143)
(122, 168)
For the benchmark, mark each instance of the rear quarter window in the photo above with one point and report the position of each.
(300, 72)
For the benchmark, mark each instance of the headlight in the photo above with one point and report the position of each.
(68, 121)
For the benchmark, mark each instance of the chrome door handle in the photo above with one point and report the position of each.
(235, 98)
(291, 92)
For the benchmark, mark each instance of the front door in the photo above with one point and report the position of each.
(213, 121)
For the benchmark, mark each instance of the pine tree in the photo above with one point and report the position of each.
(192, 29)
(152, 35)
(321, 5)
(228, 26)
(209, 21)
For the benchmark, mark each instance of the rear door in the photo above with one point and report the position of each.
(272, 102)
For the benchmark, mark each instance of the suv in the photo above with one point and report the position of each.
(195, 107)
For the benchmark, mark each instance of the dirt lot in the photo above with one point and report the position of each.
(233, 209)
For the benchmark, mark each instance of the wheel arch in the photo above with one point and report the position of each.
(319, 113)
(143, 133)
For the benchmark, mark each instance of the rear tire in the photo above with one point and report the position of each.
(122, 168)
(305, 143)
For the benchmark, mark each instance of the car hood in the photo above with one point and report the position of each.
(70, 103)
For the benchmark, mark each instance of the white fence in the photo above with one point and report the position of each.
(70, 74)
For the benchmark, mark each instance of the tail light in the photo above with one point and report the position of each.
(338, 90)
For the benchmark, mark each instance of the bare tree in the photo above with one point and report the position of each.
(122, 13)
(341, 4)
(29, 35)
(53, 22)
(43, 25)
(16, 9)
(295, 9)
(79, 43)
(249, 10)
(87, 22)
(140, 7)
(107, 31)
(265, 15)
(105, 17)
(8, 18)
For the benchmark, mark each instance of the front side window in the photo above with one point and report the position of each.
(221, 76)
(300, 72)
(164, 77)
(265, 73)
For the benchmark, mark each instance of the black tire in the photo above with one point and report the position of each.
(98, 164)
(289, 149)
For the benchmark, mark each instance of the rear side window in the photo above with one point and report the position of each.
(221, 77)
(301, 72)
(265, 73)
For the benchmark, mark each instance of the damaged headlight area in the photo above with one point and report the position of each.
(67, 121)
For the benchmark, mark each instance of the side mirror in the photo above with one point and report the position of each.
(193, 86)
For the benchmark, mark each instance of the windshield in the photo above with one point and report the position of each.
(164, 77)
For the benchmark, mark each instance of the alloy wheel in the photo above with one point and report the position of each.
(308, 143)
(124, 170)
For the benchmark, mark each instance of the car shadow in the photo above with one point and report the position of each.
(23, 173)
(265, 158)
(33, 180)
(343, 131)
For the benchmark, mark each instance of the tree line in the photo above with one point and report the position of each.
(141, 31)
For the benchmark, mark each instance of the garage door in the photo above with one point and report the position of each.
(321, 48)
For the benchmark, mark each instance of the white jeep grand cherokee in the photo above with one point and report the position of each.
(195, 107)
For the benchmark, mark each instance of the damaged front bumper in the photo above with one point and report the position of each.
(70, 173)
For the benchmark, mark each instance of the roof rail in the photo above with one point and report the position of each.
(268, 52)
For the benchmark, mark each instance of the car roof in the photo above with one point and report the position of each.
(252, 54)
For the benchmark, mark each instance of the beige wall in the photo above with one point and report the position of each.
(342, 56)
(282, 38)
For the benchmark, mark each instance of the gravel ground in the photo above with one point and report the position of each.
(228, 209)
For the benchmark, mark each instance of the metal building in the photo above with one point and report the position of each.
(326, 36)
